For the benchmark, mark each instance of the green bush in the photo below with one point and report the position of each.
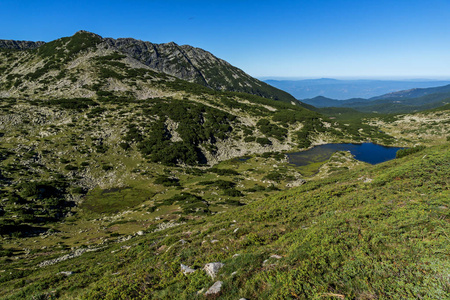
(232, 193)
(224, 172)
(271, 130)
(107, 168)
(407, 151)
(70, 168)
(263, 141)
(167, 181)
(197, 124)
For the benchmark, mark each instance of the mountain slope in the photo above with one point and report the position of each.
(183, 62)
(344, 237)
(75, 71)
(196, 65)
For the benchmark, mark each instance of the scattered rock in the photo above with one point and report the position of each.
(140, 232)
(77, 253)
(213, 268)
(236, 255)
(186, 270)
(124, 238)
(365, 179)
(215, 288)
(162, 226)
(274, 256)
(67, 273)
(296, 183)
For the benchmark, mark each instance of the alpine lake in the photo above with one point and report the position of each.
(367, 152)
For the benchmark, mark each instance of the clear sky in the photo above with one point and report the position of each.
(303, 38)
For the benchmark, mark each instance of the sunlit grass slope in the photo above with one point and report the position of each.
(381, 232)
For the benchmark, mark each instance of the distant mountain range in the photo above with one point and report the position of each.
(346, 89)
(397, 102)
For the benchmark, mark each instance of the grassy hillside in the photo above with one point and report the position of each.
(60, 153)
(377, 232)
(430, 127)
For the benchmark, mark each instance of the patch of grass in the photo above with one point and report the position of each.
(114, 200)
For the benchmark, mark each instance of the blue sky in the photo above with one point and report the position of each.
(301, 39)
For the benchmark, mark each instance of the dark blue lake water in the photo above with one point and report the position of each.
(367, 152)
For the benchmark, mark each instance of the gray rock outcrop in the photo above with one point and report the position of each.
(213, 268)
(215, 288)
(186, 270)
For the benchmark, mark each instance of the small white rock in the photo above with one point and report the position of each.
(215, 288)
(213, 268)
(186, 270)
(67, 273)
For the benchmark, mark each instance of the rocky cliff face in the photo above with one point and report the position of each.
(168, 58)
(195, 65)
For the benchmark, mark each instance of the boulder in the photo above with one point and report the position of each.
(215, 288)
(186, 270)
(213, 268)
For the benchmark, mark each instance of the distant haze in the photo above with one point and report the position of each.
(347, 89)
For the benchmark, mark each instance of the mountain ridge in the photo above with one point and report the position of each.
(184, 62)
(414, 93)
(19, 45)
(398, 102)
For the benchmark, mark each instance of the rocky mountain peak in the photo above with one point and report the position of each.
(85, 32)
